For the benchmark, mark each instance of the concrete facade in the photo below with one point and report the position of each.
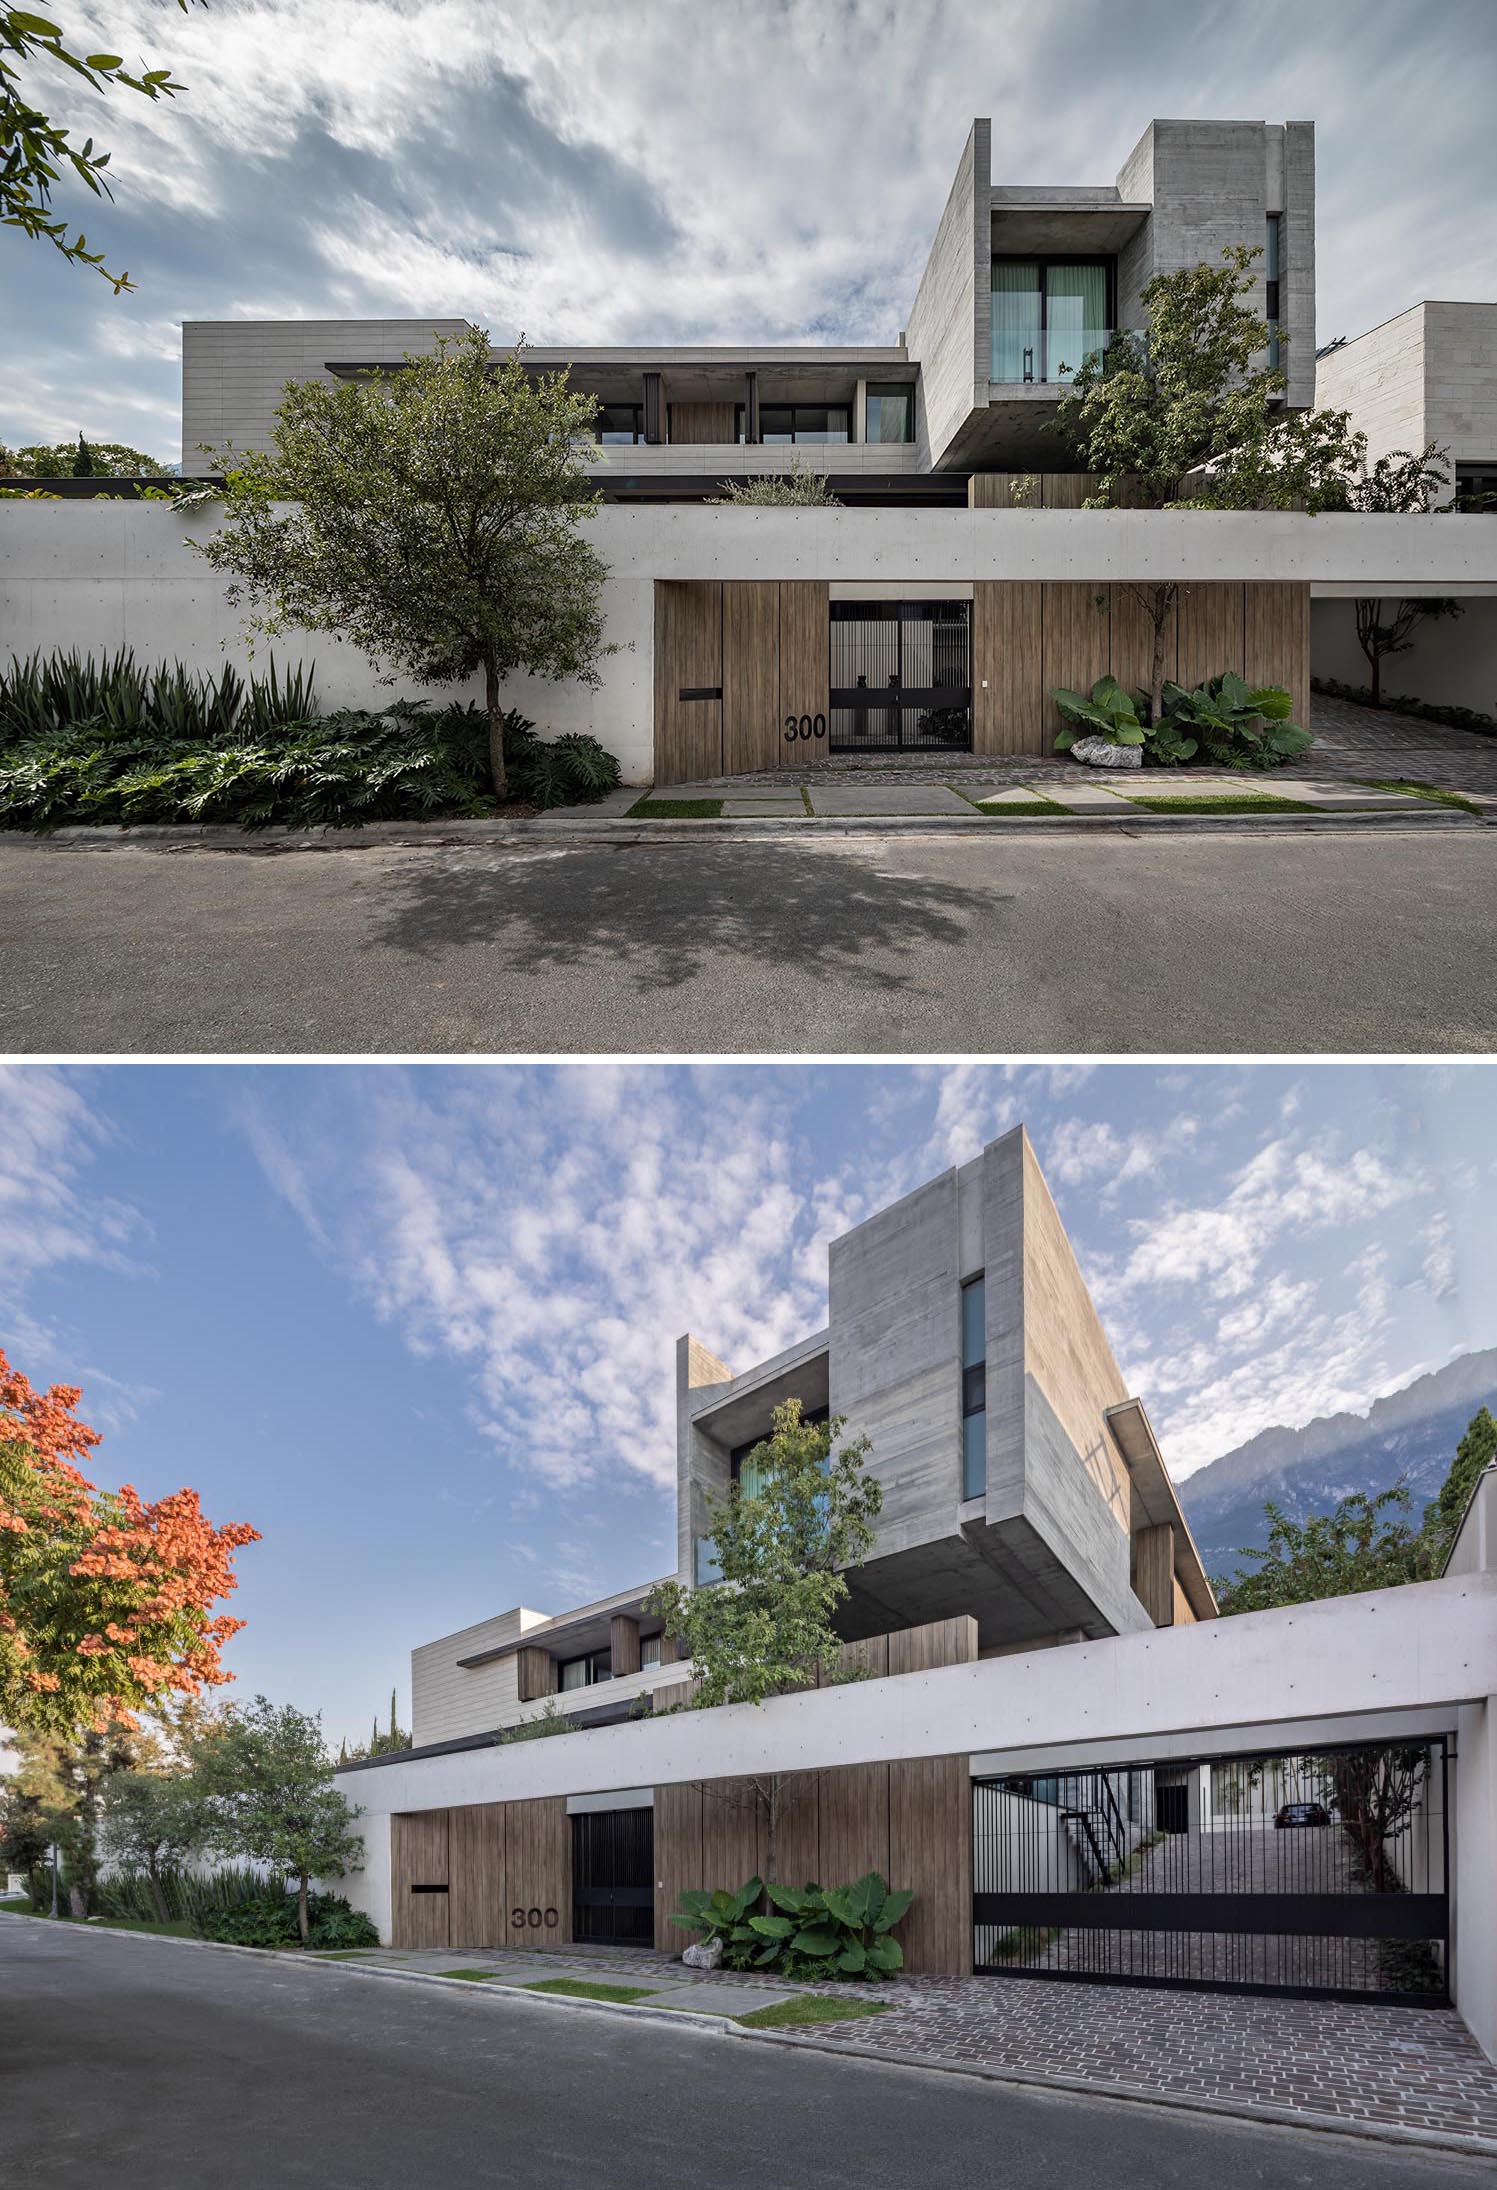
(1188, 189)
(98, 575)
(1430, 375)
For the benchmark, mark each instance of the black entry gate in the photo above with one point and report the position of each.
(901, 676)
(1323, 1875)
(613, 1877)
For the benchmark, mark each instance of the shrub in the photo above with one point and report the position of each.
(269, 1920)
(826, 1932)
(1234, 724)
(1402, 703)
(105, 741)
(1110, 713)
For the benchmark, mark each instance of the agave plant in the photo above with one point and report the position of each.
(1110, 713)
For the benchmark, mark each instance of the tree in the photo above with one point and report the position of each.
(57, 460)
(795, 489)
(1398, 484)
(83, 460)
(389, 1743)
(1476, 1452)
(1365, 1543)
(104, 1598)
(435, 521)
(152, 1822)
(35, 152)
(56, 1797)
(265, 1780)
(801, 1510)
(1190, 416)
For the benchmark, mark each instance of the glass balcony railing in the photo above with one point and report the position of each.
(1051, 356)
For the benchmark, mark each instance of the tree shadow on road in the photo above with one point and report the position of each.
(662, 913)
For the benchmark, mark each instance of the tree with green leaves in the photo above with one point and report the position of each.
(264, 1777)
(800, 1511)
(58, 460)
(153, 1820)
(433, 516)
(1400, 483)
(35, 152)
(1190, 415)
(388, 1743)
(1476, 1452)
(1364, 1543)
(83, 460)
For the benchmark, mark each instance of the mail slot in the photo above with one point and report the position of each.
(700, 692)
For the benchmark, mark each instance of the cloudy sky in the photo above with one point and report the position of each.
(689, 170)
(417, 1324)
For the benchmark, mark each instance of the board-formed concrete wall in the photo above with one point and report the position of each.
(99, 575)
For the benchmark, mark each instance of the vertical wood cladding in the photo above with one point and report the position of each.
(1133, 638)
(678, 1856)
(1076, 644)
(930, 1851)
(751, 675)
(535, 1671)
(688, 657)
(938, 1642)
(1276, 641)
(1153, 1572)
(805, 665)
(703, 422)
(1210, 641)
(419, 1857)
(854, 1823)
(538, 1874)
(623, 1644)
(477, 1907)
(1008, 671)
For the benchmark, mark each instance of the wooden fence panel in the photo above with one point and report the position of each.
(854, 1822)
(1276, 641)
(1076, 645)
(753, 735)
(1009, 709)
(930, 1851)
(538, 1873)
(805, 667)
(418, 1857)
(678, 1856)
(688, 657)
(477, 1911)
(1210, 625)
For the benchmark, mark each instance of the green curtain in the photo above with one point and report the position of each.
(1075, 317)
(1016, 318)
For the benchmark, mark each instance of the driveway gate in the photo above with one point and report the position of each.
(1319, 1874)
(613, 1877)
(901, 676)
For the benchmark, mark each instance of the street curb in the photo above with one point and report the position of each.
(1386, 2133)
(206, 837)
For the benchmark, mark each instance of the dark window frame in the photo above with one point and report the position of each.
(974, 1378)
(638, 412)
(1043, 261)
(767, 411)
(589, 1658)
(1476, 483)
(881, 391)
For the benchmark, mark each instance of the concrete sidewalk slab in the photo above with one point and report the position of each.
(841, 800)
(1081, 798)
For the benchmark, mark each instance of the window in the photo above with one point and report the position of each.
(1049, 315)
(806, 423)
(705, 1568)
(974, 1388)
(1476, 488)
(620, 422)
(1271, 277)
(891, 414)
(584, 1672)
(649, 1651)
(748, 1474)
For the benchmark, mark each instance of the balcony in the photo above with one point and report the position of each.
(1050, 357)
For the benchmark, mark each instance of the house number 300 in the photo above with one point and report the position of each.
(534, 1919)
(804, 726)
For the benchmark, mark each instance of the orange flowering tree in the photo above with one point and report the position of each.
(105, 1599)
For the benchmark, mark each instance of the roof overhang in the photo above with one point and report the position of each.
(570, 1634)
(1133, 1434)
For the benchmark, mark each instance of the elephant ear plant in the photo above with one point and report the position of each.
(1110, 713)
(1235, 724)
(825, 1932)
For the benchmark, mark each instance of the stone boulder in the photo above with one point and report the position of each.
(703, 1954)
(1102, 753)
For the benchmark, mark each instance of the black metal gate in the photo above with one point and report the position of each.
(613, 1877)
(901, 676)
(1321, 1874)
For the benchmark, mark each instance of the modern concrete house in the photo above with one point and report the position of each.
(1051, 1738)
(958, 583)
(1428, 376)
(1025, 1500)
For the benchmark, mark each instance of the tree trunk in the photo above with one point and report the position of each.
(1377, 678)
(771, 1828)
(78, 1903)
(158, 1895)
(303, 1920)
(1163, 602)
(496, 726)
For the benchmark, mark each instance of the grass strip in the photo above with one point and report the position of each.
(578, 1988)
(473, 1976)
(809, 2007)
(675, 809)
(1024, 809)
(1228, 802)
(805, 797)
(1430, 791)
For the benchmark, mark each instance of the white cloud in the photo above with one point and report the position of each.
(50, 1215)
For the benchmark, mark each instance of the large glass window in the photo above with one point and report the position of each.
(1049, 316)
(584, 1672)
(649, 1652)
(1476, 488)
(1272, 274)
(705, 1568)
(750, 1474)
(808, 423)
(891, 414)
(618, 423)
(974, 1388)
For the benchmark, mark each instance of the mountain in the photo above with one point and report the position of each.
(1412, 1433)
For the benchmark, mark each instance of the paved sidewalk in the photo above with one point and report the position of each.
(1369, 2067)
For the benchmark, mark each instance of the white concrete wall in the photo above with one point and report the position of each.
(1347, 1665)
(97, 575)
(1452, 662)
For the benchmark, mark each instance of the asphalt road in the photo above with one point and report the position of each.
(139, 2061)
(1382, 939)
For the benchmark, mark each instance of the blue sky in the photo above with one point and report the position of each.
(416, 1324)
(674, 171)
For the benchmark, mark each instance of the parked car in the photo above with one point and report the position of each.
(1302, 1813)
